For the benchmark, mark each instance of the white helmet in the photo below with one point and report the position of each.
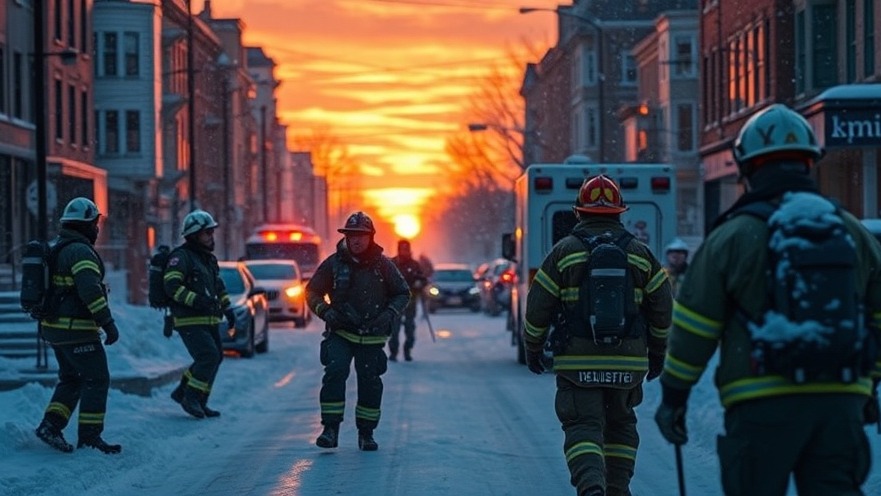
(196, 221)
(80, 209)
(775, 129)
(676, 245)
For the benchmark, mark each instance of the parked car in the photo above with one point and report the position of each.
(285, 289)
(874, 227)
(495, 280)
(452, 286)
(251, 333)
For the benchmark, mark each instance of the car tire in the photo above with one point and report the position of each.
(263, 347)
(299, 322)
(248, 350)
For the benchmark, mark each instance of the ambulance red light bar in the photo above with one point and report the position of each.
(283, 236)
(660, 184)
(543, 184)
(270, 236)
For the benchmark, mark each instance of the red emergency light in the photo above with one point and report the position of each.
(543, 183)
(660, 183)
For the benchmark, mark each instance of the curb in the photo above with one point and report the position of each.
(141, 386)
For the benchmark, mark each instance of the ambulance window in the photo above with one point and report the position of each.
(562, 223)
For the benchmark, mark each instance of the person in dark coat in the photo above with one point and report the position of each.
(80, 301)
(359, 293)
(411, 269)
(199, 302)
(775, 428)
(598, 383)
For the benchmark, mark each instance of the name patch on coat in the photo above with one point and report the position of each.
(604, 377)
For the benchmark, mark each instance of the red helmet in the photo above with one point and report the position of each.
(599, 195)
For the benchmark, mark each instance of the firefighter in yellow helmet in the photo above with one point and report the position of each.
(600, 368)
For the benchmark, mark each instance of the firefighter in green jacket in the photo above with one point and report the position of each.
(80, 301)
(199, 302)
(359, 293)
(598, 384)
(775, 427)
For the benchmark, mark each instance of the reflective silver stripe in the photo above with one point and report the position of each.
(32, 260)
(608, 272)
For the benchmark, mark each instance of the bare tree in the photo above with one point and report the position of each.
(332, 159)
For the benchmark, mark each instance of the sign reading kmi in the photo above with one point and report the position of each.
(852, 127)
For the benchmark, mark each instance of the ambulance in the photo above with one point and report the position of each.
(544, 196)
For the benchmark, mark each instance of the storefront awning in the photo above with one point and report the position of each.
(846, 116)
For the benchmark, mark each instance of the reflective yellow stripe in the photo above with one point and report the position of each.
(760, 387)
(583, 448)
(640, 262)
(99, 304)
(197, 320)
(656, 281)
(695, 323)
(333, 408)
(547, 283)
(363, 412)
(85, 265)
(358, 339)
(621, 451)
(72, 324)
(579, 257)
(91, 418)
(601, 362)
(58, 409)
(685, 371)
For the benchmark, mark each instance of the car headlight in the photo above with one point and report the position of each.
(433, 291)
(293, 291)
(474, 290)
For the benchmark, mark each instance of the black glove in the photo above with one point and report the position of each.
(656, 366)
(230, 317)
(533, 362)
(168, 326)
(335, 320)
(671, 422)
(112, 333)
(383, 322)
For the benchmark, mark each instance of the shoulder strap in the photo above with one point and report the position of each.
(761, 209)
(624, 240)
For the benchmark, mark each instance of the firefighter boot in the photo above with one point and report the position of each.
(209, 412)
(407, 356)
(178, 394)
(328, 437)
(90, 437)
(191, 403)
(51, 435)
(366, 441)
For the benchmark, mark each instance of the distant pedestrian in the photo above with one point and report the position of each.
(199, 303)
(80, 302)
(783, 285)
(610, 304)
(366, 294)
(677, 263)
(412, 272)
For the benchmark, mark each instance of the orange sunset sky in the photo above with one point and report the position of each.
(390, 78)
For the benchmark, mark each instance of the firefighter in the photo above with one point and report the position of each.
(599, 378)
(199, 302)
(775, 428)
(416, 280)
(80, 300)
(677, 262)
(366, 294)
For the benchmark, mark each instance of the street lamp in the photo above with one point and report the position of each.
(595, 24)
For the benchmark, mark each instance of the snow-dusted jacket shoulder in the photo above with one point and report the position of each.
(728, 272)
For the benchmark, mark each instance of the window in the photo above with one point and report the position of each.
(749, 55)
(110, 50)
(111, 131)
(84, 27)
(868, 37)
(590, 69)
(132, 131)
(628, 69)
(71, 24)
(824, 25)
(71, 113)
(592, 128)
(683, 58)
(850, 41)
(59, 110)
(760, 42)
(800, 57)
(95, 54)
(58, 23)
(130, 43)
(17, 85)
(84, 115)
(685, 128)
(3, 108)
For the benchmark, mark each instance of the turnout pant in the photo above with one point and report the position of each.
(819, 439)
(83, 378)
(370, 363)
(203, 344)
(600, 440)
(408, 319)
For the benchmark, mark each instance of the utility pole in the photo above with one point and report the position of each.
(191, 104)
(40, 122)
(264, 172)
(227, 190)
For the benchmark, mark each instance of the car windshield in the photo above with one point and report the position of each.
(232, 279)
(453, 276)
(273, 271)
